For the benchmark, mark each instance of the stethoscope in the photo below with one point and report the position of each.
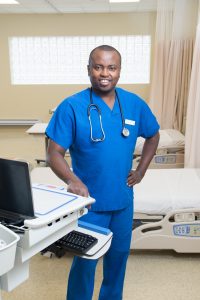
(125, 132)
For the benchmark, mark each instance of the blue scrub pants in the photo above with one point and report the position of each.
(82, 273)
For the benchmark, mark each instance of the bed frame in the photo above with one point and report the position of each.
(170, 151)
(178, 230)
(175, 224)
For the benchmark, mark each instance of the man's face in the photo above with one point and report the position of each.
(104, 70)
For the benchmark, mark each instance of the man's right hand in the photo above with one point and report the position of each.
(77, 187)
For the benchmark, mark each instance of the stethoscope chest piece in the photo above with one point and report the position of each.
(125, 132)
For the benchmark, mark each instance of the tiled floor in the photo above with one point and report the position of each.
(150, 276)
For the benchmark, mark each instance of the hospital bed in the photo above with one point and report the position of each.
(167, 211)
(170, 151)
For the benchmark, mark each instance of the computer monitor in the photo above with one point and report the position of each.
(15, 188)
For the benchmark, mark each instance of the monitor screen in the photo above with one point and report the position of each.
(15, 188)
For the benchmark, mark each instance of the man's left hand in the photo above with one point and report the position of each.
(134, 177)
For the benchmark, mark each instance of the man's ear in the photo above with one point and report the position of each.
(89, 70)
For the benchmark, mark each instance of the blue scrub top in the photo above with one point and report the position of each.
(102, 166)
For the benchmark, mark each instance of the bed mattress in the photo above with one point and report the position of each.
(163, 190)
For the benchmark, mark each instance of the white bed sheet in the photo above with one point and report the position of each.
(169, 138)
(163, 190)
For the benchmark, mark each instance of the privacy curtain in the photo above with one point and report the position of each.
(192, 136)
(175, 31)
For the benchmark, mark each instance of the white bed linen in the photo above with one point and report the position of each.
(169, 138)
(163, 190)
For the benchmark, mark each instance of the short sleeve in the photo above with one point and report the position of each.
(61, 128)
(148, 125)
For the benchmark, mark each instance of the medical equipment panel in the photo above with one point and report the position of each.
(36, 234)
(189, 230)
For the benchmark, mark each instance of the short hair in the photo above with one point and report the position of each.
(103, 48)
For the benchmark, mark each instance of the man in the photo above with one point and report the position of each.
(100, 126)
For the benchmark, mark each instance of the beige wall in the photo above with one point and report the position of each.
(35, 101)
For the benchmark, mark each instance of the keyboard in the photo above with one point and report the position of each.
(77, 242)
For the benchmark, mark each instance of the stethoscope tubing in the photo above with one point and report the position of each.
(92, 106)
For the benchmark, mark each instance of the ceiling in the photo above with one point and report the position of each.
(76, 6)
